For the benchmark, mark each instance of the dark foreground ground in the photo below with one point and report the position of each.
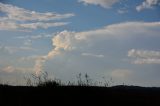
(72, 95)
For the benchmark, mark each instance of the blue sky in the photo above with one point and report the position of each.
(116, 39)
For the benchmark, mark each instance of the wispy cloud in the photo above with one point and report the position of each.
(22, 19)
(34, 37)
(144, 56)
(93, 55)
(29, 58)
(14, 49)
(29, 39)
(148, 4)
(28, 42)
(122, 11)
(42, 25)
(21, 14)
(10, 69)
(121, 73)
(13, 26)
(102, 3)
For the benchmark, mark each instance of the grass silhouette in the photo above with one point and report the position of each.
(82, 80)
(40, 90)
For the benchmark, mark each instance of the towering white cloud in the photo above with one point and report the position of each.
(147, 4)
(61, 42)
(67, 41)
(145, 56)
(102, 3)
(16, 18)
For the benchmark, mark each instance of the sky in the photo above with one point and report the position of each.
(116, 39)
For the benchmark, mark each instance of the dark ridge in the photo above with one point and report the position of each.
(78, 95)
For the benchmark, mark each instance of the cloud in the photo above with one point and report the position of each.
(102, 3)
(29, 39)
(144, 56)
(147, 61)
(16, 18)
(41, 25)
(61, 42)
(148, 4)
(11, 69)
(14, 26)
(29, 58)
(122, 30)
(35, 37)
(92, 55)
(122, 11)
(13, 49)
(28, 42)
(121, 73)
(144, 53)
(20, 14)
(86, 42)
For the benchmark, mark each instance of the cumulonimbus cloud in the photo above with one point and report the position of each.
(82, 41)
(61, 42)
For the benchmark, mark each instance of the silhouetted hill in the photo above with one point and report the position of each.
(78, 95)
